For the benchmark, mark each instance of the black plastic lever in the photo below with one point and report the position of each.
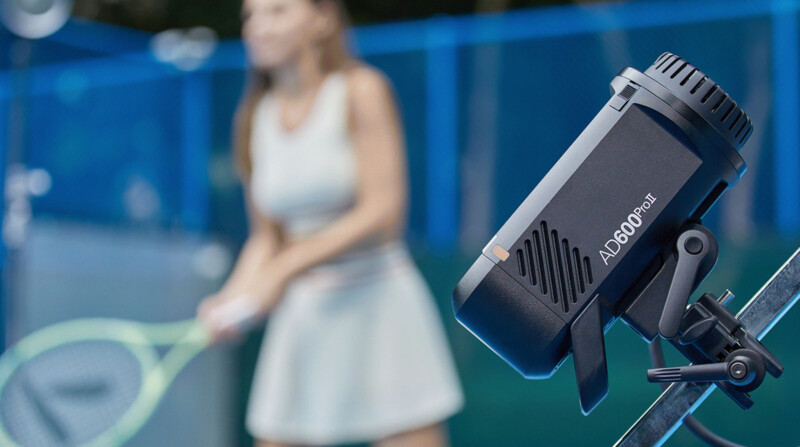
(589, 355)
(713, 372)
(696, 254)
(743, 368)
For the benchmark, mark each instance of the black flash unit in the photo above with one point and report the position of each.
(613, 231)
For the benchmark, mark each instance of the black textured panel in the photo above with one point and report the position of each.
(557, 270)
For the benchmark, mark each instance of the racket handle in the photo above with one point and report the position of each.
(239, 313)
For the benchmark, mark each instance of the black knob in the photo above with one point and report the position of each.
(693, 245)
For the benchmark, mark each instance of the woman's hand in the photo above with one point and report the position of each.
(228, 315)
(209, 315)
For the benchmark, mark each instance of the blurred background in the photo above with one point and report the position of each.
(121, 198)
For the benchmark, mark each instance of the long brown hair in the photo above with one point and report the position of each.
(334, 54)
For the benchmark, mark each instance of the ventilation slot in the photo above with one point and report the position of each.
(521, 264)
(672, 76)
(588, 266)
(727, 114)
(746, 135)
(562, 282)
(699, 84)
(665, 60)
(531, 268)
(744, 124)
(719, 104)
(526, 263)
(571, 272)
(686, 79)
(627, 92)
(709, 93)
(540, 258)
(576, 261)
(738, 117)
(551, 268)
(670, 65)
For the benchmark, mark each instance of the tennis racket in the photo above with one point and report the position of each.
(96, 382)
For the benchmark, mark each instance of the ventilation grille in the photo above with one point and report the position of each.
(627, 92)
(673, 71)
(558, 271)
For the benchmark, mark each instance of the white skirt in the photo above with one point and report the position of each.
(355, 352)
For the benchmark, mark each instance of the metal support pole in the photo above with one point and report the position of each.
(763, 311)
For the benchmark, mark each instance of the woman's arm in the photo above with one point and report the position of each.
(262, 244)
(264, 240)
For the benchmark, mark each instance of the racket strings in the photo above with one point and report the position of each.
(68, 395)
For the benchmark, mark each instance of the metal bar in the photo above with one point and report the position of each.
(196, 142)
(758, 316)
(442, 134)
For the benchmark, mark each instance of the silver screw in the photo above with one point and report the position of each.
(726, 298)
(738, 370)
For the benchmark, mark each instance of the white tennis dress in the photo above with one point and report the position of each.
(355, 351)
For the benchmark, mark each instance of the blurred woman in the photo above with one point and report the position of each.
(354, 350)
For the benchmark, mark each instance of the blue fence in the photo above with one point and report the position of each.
(489, 103)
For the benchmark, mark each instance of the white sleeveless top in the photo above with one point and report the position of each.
(305, 177)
